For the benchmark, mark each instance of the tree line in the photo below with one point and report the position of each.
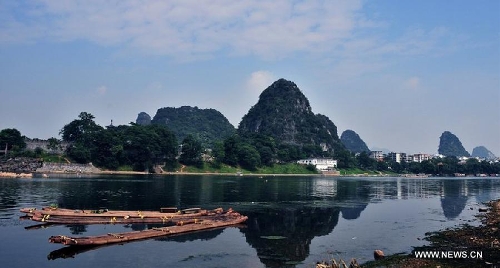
(142, 148)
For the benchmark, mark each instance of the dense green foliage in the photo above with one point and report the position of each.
(353, 142)
(237, 151)
(11, 139)
(205, 125)
(450, 145)
(191, 152)
(448, 166)
(141, 147)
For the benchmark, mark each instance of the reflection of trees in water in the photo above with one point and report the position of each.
(201, 235)
(77, 229)
(454, 197)
(483, 190)
(9, 190)
(72, 251)
(282, 236)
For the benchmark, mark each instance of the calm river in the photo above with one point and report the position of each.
(293, 221)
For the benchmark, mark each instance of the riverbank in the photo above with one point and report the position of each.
(464, 246)
(15, 175)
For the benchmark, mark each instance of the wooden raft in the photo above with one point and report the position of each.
(111, 213)
(223, 219)
(69, 216)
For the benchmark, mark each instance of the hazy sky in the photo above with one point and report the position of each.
(399, 73)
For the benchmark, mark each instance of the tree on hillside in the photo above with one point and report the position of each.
(248, 157)
(54, 144)
(231, 150)
(12, 139)
(191, 152)
(79, 128)
(218, 154)
(81, 133)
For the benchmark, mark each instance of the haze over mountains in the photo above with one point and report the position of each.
(284, 113)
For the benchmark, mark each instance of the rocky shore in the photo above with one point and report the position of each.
(20, 165)
(464, 246)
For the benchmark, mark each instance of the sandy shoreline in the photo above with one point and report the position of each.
(15, 175)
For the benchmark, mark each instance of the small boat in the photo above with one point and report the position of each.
(224, 219)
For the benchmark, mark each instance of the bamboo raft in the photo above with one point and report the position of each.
(164, 216)
(222, 219)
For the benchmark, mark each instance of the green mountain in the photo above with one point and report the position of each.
(450, 145)
(284, 113)
(353, 142)
(206, 125)
(482, 152)
(143, 119)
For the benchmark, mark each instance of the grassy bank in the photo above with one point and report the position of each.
(292, 169)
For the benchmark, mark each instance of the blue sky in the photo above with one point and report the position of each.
(399, 73)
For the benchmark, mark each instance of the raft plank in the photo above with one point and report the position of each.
(226, 219)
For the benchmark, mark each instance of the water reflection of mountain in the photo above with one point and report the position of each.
(454, 197)
(352, 213)
(282, 236)
(355, 195)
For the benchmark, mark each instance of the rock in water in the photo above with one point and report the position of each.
(378, 254)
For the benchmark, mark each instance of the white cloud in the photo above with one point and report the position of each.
(268, 29)
(259, 80)
(101, 90)
(412, 82)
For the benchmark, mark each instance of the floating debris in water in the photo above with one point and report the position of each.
(273, 237)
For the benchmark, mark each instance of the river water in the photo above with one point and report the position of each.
(293, 221)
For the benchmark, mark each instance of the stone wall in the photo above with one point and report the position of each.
(67, 168)
(32, 144)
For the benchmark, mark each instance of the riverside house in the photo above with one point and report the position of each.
(321, 164)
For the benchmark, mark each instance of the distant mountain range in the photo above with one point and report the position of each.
(353, 142)
(282, 112)
(482, 152)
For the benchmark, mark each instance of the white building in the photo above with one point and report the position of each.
(321, 164)
(397, 157)
(421, 157)
(377, 155)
